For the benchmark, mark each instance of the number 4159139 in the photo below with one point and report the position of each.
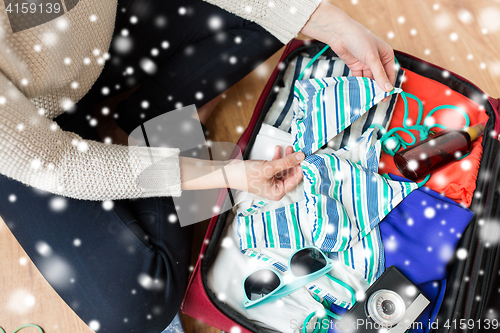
(25, 8)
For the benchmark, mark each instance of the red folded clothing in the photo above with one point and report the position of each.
(457, 180)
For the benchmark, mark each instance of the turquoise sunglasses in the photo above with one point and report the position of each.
(266, 284)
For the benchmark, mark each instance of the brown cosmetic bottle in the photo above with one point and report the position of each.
(436, 151)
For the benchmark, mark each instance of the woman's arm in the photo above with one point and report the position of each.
(268, 179)
(35, 151)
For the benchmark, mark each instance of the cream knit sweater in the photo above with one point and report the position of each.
(46, 69)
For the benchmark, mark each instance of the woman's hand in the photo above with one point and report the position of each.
(273, 179)
(364, 53)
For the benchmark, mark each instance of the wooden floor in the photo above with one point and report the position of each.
(460, 35)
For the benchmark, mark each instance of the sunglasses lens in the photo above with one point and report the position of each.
(261, 283)
(307, 261)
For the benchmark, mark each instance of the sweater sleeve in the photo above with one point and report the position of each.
(35, 151)
(282, 18)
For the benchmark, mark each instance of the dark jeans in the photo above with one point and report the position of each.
(127, 267)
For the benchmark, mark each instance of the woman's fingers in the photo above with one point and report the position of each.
(379, 74)
(292, 179)
(388, 61)
(277, 153)
(286, 162)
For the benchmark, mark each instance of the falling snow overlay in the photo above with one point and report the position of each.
(30, 107)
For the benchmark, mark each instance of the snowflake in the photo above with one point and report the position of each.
(411, 291)
(43, 248)
(227, 242)
(215, 23)
(462, 254)
(49, 38)
(220, 85)
(83, 146)
(429, 212)
(108, 205)
(413, 165)
(21, 301)
(67, 103)
(488, 19)
(148, 283)
(57, 204)
(148, 66)
(94, 325)
(36, 164)
(465, 16)
(446, 253)
(160, 22)
(123, 44)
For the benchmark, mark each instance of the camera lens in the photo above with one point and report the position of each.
(388, 307)
(385, 307)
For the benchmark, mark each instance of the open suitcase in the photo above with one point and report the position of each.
(471, 301)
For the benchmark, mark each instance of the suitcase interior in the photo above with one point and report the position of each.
(473, 284)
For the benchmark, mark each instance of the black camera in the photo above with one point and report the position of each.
(392, 303)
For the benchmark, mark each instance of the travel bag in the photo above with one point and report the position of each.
(470, 302)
